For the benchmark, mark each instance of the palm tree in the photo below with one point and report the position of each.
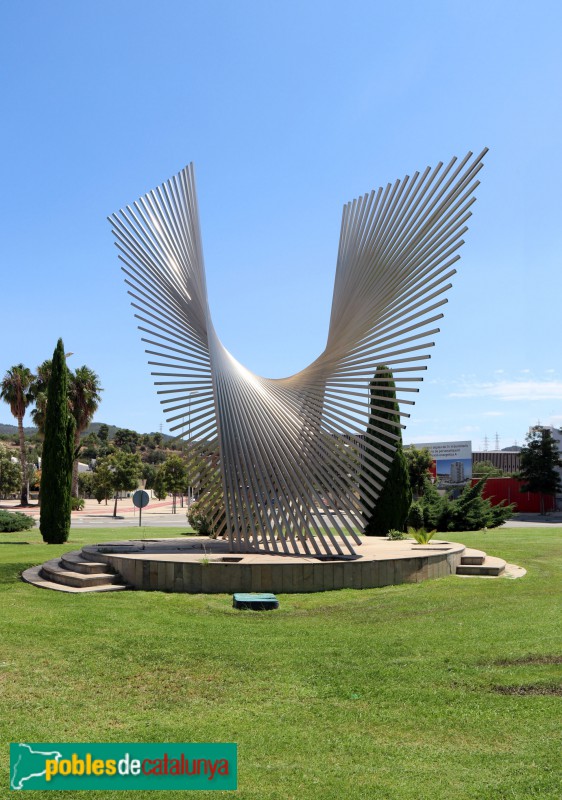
(84, 394)
(16, 391)
(39, 393)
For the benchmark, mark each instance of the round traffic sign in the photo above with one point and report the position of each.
(140, 498)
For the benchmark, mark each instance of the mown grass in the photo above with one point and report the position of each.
(403, 692)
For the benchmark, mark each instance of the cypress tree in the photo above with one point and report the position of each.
(390, 511)
(58, 455)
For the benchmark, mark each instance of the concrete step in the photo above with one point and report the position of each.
(75, 562)
(491, 567)
(56, 573)
(471, 556)
(33, 576)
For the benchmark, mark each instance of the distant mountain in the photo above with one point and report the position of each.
(9, 430)
(95, 426)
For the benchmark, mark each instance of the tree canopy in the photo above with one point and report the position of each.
(103, 432)
(419, 463)
(84, 394)
(39, 394)
(103, 480)
(126, 440)
(172, 476)
(10, 473)
(481, 468)
(122, 471)
(540, 461)
(15, 389)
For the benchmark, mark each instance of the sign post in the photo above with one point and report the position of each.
(140, 500)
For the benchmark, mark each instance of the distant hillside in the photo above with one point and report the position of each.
(10, 430)
(95, 426)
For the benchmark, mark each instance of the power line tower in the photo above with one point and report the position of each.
(497, 444)
(486, 444)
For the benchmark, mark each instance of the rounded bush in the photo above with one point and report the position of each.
(415, 517)
(198, 519)
(13, 521)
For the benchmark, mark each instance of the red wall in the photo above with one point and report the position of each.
(498, 489)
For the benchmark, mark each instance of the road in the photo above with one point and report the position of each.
(95, 515)
(159, 514)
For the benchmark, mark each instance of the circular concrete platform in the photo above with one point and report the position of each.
(207, 565)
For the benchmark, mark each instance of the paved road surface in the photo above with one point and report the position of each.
(158, 513)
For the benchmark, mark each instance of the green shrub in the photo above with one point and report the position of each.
(395, 535)
(469, 512)
(421, 535)
(13, 521)
(76, 504)
(500, 514)
(199, 520)
(415, 517)
(86, 484)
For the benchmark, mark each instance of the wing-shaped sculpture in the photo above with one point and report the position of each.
(281, 461)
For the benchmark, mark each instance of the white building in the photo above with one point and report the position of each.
(457, 472)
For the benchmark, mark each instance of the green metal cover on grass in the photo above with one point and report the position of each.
(255, 602)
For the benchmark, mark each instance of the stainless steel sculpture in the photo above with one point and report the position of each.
(283, 468)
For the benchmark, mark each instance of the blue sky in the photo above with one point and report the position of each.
(288, 111)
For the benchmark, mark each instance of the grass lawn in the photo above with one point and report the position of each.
(441, 690)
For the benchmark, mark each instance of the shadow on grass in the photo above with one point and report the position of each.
(528, 689)
(10, 574)
(510, 662)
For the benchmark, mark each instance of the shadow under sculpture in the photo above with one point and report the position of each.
(282, 460)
